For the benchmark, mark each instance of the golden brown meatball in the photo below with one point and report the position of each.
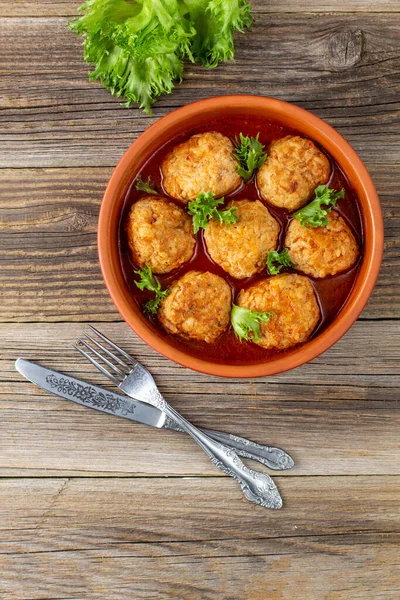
(197, 307)
(293, 169)
(242, 248)
(322, 251)
(204, 163)
(159, 234)
(292, 300)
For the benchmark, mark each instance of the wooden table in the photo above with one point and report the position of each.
(93, 507)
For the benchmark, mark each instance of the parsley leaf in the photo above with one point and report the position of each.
(149, 282)
(246, 322)
(281, 259)
(205, 208)
(250, 154)
(145, 186)
(313, 215)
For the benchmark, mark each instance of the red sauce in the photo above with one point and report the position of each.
(331, 292)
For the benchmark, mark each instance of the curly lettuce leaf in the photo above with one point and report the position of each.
(277, 260)
(247, 323)
(250, 154)
(149, 282)
(205, 208)
(313, 215)
(215, 22)
(136, 47)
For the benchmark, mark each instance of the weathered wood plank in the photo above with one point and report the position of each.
(336, 415)
(343, 363)
(44, 437)
(78, 513)
(332, 567)
(48, 249)
(52, 116)
(122, 528)
(61, 8)
(198, 538)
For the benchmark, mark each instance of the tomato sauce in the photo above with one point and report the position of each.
(332, 291)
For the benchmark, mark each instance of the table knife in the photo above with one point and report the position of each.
(93, 396)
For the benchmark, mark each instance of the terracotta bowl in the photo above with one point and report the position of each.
(178, 122)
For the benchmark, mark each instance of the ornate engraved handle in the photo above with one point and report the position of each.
(257, 487)
(270, 456)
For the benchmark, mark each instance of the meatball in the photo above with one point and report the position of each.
(241, 249)
(292, 300)
(197, 307)
(293, 169)
(159, 234)
(204, 163)
(322, 251)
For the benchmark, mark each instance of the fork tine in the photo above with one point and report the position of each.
(129, 358)
(110, 354)
(102, 358)
(96, 364)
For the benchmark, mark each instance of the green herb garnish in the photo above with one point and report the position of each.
(149, 282)
(277, 260)
(145, 186)
(250, 154)
(215, 22)
(313, 215)
(137, 48)
(205, 208)
(246, 322)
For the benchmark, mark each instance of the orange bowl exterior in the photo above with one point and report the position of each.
(289, 115)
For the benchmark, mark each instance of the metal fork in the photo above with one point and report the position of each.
(270, 456)
(136, 381)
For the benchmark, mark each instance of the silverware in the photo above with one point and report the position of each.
(136, 381)
(86, 394)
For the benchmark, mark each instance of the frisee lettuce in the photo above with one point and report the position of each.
(149, 282)
(214, 22)
(250, 154)
(205, 208)
(313, 215)
(277, 260)
(137, 47)
(247, 323)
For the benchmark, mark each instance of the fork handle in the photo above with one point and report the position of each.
(270, 456)
(257, 487)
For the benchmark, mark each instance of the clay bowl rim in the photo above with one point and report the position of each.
(305, 122)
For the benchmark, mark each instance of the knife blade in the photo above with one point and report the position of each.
(90, 395)
(84, 393)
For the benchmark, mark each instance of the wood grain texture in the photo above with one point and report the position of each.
(356, 568)
(74, 538)
(62, 8)
(48, 248)
(52, 116)
(93, 507)
(340, 412)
